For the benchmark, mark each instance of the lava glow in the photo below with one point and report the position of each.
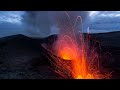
(68, 49)
(72, 55)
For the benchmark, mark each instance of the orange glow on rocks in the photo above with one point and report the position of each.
(73, 57)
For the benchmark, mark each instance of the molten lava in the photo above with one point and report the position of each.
(68, 49)
(73, 57)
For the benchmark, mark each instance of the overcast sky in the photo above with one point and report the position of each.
(98, 21)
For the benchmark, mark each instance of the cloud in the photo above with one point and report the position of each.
(104, 21)
(11, 16)
(10, 23)
(108, 14)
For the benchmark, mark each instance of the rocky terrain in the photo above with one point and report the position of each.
(22, 57)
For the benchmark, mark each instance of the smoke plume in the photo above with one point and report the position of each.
(44, 23)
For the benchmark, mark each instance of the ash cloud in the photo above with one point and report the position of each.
(44, 23)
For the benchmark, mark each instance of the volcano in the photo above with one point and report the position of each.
(23, 57)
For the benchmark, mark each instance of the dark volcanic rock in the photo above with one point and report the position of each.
(23, 57)
(110, 46)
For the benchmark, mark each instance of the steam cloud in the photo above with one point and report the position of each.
(44, 23)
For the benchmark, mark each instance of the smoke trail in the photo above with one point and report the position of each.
(36, 23)
(44, 23)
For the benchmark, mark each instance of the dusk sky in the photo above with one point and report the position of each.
(11, 22)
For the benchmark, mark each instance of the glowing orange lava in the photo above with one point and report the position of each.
(72, 56)
(69, 50)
